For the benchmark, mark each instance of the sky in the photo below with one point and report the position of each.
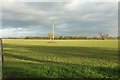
(21, 19)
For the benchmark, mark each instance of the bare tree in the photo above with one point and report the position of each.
(103, 36)
(50, 35)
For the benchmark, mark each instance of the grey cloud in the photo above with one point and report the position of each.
(70, 18)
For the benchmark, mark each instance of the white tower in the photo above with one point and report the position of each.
(53, 28)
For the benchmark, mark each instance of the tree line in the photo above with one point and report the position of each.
(100, 36)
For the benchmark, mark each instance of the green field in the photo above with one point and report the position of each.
(61, 59)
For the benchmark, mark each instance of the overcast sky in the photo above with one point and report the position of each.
(71, 18)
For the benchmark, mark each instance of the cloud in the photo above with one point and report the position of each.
(16, 32)
(60, 0)
(71, 18)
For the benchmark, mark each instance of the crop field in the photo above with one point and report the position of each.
(27, 58)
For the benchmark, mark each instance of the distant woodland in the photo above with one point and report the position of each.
(100, 36)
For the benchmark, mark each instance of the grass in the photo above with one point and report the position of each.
(63, 59)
